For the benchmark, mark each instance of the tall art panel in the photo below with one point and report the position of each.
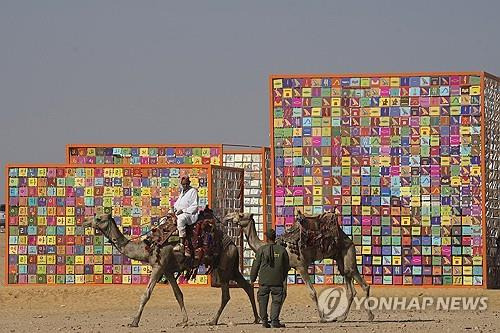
(400, 157)
(492, 142)
(252, 160)
(256, 172)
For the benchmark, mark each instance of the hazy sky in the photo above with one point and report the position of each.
(197, 71)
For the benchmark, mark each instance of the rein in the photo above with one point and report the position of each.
(139, 236)
(150, 230)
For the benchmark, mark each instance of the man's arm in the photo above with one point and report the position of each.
(256, 265)
(286, 264)
(176, 204)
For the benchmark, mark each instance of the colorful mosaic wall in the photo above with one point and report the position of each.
(252, 163)
(400, 156)
(135, 155)
(47, 205)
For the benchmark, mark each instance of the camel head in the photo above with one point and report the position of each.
(300, 217)
(99, 222)
(242, 219)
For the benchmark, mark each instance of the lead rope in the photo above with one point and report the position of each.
(300, 240)
(150, 230)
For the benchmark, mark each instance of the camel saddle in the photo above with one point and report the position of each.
(161, 233)
(203, 240)
(321, 232)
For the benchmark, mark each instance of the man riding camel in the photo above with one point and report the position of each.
(186, 209)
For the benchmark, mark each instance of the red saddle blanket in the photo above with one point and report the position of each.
(206, 240)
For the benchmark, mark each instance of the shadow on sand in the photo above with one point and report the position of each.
(354, 323)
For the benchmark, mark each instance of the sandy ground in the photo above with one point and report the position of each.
(110, 309)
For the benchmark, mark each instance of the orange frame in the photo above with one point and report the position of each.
(481, 74)
(141, 166)
(121, 145)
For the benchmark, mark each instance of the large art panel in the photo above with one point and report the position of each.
(48, 203)
(399, 156)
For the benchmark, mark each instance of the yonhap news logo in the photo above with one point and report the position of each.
(333, 303)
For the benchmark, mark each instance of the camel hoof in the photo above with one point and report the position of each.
(256, 321)
(181, 324)
(133, 324)
(212, 323)
(370, 317)
(340, 319)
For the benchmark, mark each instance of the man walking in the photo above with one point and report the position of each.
(271, 264)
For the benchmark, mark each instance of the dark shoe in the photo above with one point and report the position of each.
(277, 325)
(265, 324)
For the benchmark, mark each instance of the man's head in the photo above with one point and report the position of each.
(185, 182)
(271, 235)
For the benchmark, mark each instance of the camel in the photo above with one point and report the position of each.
(168, 262)
(346, 251)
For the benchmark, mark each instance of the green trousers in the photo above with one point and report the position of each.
(278, 297)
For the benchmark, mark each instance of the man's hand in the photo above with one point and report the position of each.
(179, 212)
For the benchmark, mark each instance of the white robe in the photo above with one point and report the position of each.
(188, 203)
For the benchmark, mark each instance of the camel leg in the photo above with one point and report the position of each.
(366, 288)
(248, 288)
(351, 270)
(351, 292)
(179, 297)
(156, 274)
(225, 298)
(312, 292)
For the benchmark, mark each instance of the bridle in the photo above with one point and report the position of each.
(107, 231)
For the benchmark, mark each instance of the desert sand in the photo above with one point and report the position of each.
(110, 308)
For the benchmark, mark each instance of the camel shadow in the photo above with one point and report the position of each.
(393, 321)
(311, 325)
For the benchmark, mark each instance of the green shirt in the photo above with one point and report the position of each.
(272, 270)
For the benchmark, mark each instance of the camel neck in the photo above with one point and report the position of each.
(253, 239)
(115, 236)
(132, 250)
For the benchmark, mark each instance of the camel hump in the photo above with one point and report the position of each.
(327, 223)
(316, 223)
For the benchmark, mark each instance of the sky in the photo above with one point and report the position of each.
(197, 71)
